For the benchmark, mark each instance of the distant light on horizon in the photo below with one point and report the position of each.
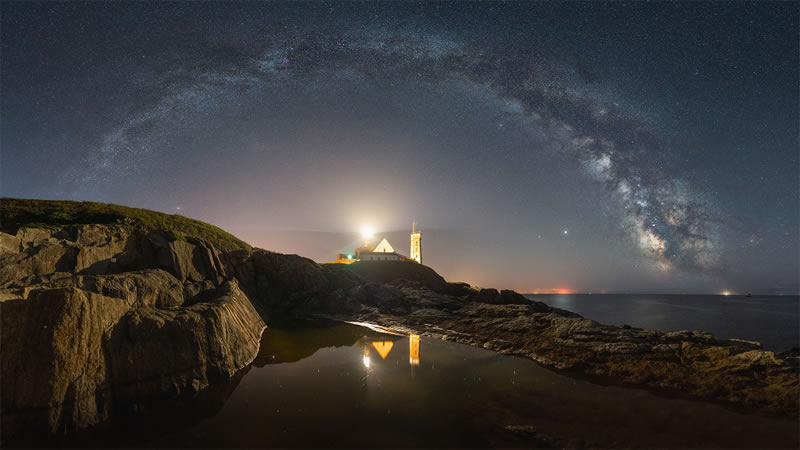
(560, 291)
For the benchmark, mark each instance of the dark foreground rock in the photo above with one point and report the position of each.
(99, 319)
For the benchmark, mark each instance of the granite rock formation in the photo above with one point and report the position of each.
(98, 318)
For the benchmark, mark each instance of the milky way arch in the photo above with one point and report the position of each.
(625, 153)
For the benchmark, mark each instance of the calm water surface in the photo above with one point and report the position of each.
(772, 320)
(324, 384)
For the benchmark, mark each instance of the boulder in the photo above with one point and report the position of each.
(279, 280)
(490, 296)
(510, 297)
(102, 318)
(53, 361)
(166, 353)
(68, 355)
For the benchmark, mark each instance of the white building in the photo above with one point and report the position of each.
(384, 251)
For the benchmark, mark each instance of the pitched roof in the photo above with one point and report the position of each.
(383, 247)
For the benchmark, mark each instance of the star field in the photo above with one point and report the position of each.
(660, 136)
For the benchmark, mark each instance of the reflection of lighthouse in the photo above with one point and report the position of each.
(413, 349)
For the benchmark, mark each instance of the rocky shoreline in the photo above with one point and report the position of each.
(687, 364)
(106, 319)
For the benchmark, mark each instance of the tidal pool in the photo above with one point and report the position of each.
(324, 384)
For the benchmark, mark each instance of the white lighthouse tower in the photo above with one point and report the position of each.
(416, 243)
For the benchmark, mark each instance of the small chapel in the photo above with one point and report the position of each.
(384, 251)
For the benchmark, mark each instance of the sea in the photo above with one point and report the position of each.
(774, 321)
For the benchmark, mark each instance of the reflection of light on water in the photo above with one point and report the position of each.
(564, 301)
(413, 349)
(366, 357)
(383, 347)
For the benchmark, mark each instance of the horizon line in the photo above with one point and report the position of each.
(796, 294)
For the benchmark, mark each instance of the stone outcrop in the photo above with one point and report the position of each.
(98, 319)
(202, 343)
(279, 282)
(53, 362)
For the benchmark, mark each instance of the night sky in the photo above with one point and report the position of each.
(594, 147)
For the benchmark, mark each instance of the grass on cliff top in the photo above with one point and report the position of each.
(23, 213)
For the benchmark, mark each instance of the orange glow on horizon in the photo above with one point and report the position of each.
(551, 291)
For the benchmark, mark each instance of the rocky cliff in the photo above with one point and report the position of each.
(115, 316)
(98, 317)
